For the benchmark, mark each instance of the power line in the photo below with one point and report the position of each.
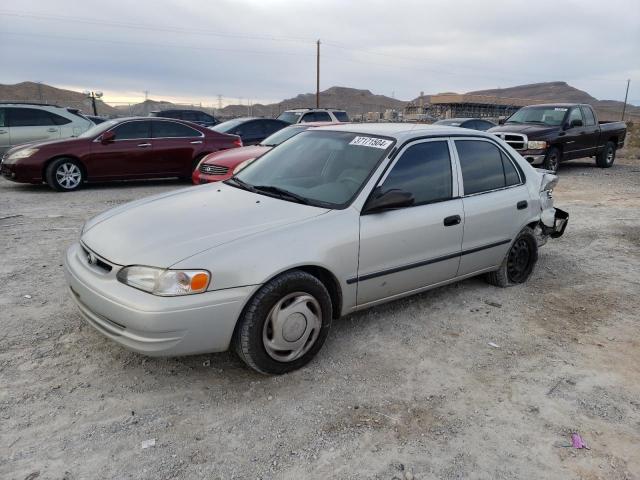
(137, 26)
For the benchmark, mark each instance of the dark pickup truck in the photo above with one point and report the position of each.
(549, 134)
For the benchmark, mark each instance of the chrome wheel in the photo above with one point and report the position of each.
(610, 155)
(292, 327)
(68, 175)
(552, 162)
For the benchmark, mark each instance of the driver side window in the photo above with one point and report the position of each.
(424, 170)
(575, 114)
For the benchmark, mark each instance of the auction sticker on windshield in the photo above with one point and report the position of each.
(371, 142)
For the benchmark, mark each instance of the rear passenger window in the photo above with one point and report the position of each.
(164, 129)
(29, 117)
(482, 166)
(59, 120)
(424, 170)
(133, 130)
(3, 116)
(511, 176)
(589, 118)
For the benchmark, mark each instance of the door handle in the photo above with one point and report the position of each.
(144, 145)
(452, 220)
(196, 142)
(52, 130)
(522, 205)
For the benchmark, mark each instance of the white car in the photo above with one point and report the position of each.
(306, 115)
(334, 220)
(30, 122)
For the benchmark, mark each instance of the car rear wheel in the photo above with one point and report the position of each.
(285, 324)
(64, 175)
(519, 262)
(607, 156)
(552, 159)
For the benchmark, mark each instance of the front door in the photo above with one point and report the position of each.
(130, 155)
(495, 203)
(411, 248)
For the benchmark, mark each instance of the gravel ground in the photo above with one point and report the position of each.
(411, 389)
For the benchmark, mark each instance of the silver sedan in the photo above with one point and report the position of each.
(334, 220)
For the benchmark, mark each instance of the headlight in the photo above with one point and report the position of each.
(165, 283)
(22, 153)
(242, 165)
(536, 145)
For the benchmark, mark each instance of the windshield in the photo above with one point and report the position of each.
(322, 168)
(98, 129)
(227, 126)
(282, 135)
(290, 117)
(551, 116)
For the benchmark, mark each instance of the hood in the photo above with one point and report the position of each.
(235, 156)
(162, 230)
(532, 131)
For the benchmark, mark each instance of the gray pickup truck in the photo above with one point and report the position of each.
(552, 133)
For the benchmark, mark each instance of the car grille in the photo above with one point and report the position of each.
(93, 260)
(515, 140)
(213, 169)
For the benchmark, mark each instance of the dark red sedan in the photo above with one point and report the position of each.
(220, 166)
(123, 149)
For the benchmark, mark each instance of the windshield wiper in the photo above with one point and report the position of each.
(239, 183)
(281, 192)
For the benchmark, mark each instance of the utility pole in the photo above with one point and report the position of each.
(219, 102)
(626, 95)
(93, 95)
(318, 74)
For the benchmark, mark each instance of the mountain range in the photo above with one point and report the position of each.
(355, 101)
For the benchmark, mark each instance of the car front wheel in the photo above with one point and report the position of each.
(285, 324)
(64, 175)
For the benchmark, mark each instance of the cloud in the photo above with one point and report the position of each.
(265, 49)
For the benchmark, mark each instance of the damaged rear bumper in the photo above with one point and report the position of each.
(560, 222)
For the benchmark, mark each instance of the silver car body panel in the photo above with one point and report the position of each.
(245, 239)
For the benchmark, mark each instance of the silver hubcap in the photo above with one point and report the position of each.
(292, 327)
(68, 175)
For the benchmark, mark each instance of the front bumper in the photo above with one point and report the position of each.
(149, 324)
(534, 157)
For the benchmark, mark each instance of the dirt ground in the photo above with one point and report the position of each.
(411, 389)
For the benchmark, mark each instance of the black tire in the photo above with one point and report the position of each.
(254, 323)
(519, 262)
(607, 156)
(65, 175)
(552, 159)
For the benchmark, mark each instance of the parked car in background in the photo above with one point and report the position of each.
(472, 123)
(195, 116)
(303, 115)
(250, 129)
(552, 133)
(123, 149)
(96, 120)
(28, 122)
(334, 220)
(222, 165)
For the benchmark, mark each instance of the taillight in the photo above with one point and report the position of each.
(238, 142)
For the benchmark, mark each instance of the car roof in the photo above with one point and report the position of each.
(567, 105)
(403, 131)
(315, 110)
(31, 104)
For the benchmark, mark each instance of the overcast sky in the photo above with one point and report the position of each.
(264, 50)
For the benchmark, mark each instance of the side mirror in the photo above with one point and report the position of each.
(389, 200)
(576, 122)
(108, 137)
(501, 121)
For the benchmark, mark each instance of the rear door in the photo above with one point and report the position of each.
(5, 136)
(495, 200)
(130, 155)
(592, 132)
(175, 146)
(407, 249)
(32, 124)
